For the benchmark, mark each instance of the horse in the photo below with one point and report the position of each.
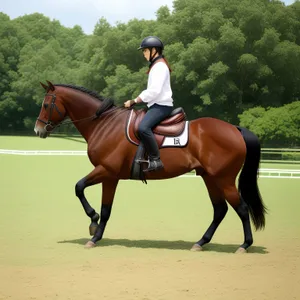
(214, 149)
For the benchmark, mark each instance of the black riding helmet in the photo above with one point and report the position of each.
(151, 42)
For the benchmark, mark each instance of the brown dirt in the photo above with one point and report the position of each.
(118, 272)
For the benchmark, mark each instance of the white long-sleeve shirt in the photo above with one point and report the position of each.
(159, 87)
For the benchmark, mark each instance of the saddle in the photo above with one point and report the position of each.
(171, 132)
(172, 126)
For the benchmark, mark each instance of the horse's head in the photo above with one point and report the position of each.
(52, 112)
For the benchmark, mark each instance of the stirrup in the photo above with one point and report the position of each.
(142, 161)
(154, 165)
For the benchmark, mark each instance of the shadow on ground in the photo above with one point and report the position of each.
(170, 245)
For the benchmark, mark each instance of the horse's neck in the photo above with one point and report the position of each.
(109, 127)
(80, 109)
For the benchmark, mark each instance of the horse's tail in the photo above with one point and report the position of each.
(248, 187)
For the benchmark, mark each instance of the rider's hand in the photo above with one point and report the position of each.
(129, 103)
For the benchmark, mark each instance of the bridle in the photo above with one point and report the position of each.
(53, 107)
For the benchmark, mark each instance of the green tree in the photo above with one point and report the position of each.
(227, 57)
(275, 126)
(125, 84)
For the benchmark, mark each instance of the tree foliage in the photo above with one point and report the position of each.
(280, 125)
(230, 59)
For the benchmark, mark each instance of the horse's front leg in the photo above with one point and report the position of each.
(108, 193)
(98, 175)
(81, 185)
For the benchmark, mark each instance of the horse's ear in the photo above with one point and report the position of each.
(50, 85)
(44, 86)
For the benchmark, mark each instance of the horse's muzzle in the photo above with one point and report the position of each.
(41, 132)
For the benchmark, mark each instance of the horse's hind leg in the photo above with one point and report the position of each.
(220, 210)
(236, 201)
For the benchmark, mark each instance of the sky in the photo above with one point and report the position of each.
(86, 13)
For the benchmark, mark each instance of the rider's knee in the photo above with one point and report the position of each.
(142, 129)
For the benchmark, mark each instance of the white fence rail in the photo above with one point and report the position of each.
(265, 173)
(268, 173)
(42, 152)
(279, 173)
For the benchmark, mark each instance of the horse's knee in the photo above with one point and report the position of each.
(79, 187)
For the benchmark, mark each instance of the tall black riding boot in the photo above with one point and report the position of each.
(153, 153)
(153, 117)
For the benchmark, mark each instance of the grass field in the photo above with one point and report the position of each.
(145, 252)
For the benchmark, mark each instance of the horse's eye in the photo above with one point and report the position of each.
(46, 106)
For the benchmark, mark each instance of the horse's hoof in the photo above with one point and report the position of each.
(90, 245)
(196, 247)
(241, 251)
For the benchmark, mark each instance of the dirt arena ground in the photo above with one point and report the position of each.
(145, 253)
(159, 274)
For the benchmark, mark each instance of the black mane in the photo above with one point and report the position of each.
(84, 90)
(107, 103)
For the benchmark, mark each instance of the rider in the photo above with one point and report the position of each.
(158, 97)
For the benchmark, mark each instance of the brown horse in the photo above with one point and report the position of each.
(215, 149)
